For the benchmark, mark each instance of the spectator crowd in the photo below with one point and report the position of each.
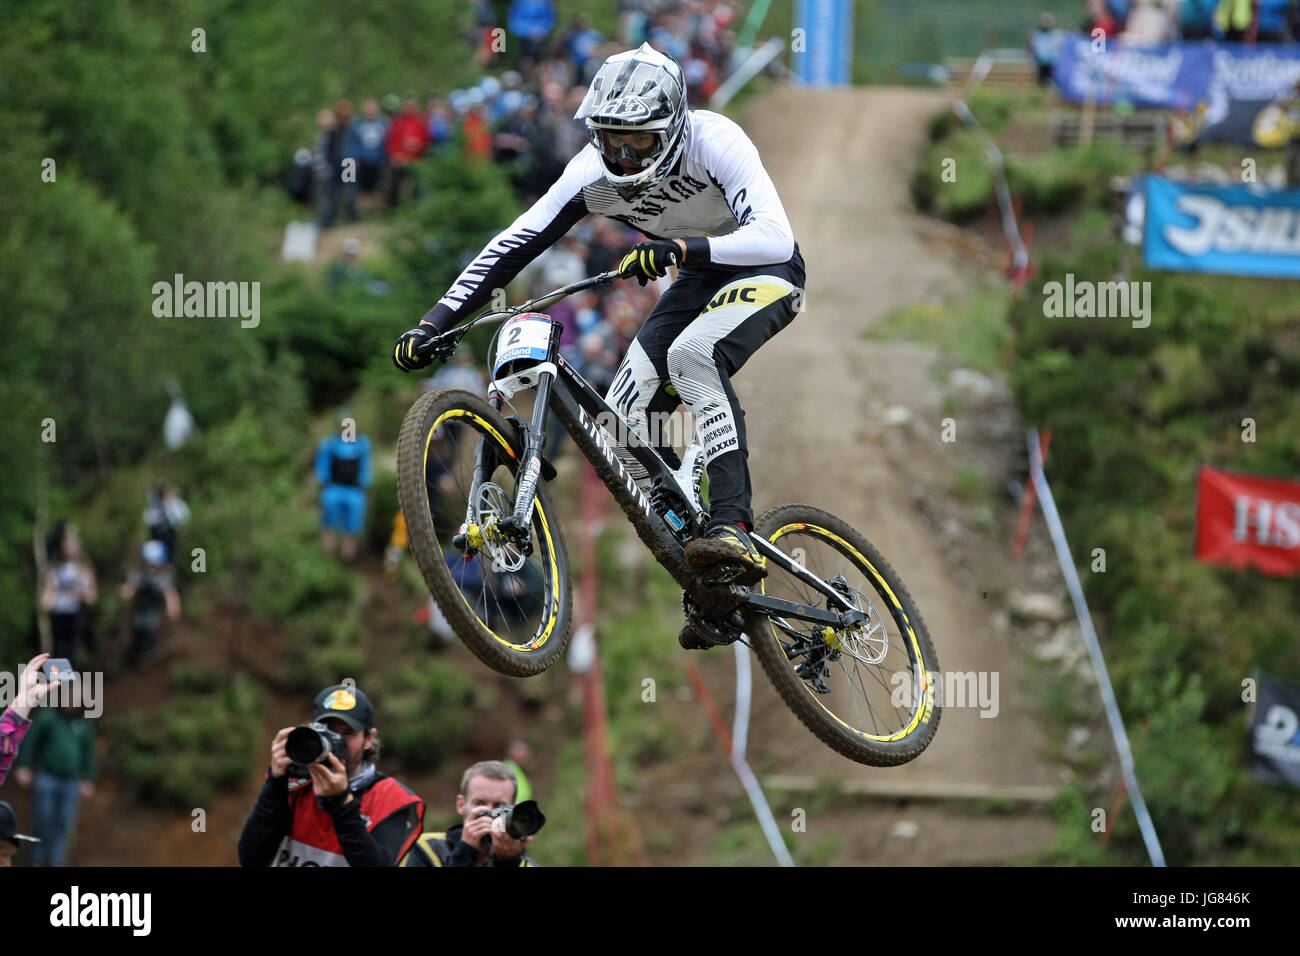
(1157, 22)
(1148, 23)
(519, 114)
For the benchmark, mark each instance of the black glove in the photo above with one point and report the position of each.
(413, 350)
(649, 260)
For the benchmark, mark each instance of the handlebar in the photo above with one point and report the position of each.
(453, 336)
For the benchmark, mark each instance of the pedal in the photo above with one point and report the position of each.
(700, 632)
(726, 573)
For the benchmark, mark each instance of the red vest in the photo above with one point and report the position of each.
(311, 840)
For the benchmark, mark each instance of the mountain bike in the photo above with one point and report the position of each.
(835, 629)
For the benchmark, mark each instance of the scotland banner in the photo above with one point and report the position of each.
(1173, 77)
(1231, 230)
(1243, 80)
(1275, 732)
(1225, 83)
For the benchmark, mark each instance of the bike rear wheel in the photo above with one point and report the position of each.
(510, 605)
(868, 691)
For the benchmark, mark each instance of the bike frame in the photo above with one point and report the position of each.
(580, 410)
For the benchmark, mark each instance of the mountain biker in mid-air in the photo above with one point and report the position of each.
(693, 182)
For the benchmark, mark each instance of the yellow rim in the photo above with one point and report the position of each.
(553, 610)
(921, 714)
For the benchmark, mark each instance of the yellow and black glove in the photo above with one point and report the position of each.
(650, 260)
(419, 347)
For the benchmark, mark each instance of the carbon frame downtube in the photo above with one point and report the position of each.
(577, 406)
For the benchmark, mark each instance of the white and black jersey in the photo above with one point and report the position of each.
(718, 198)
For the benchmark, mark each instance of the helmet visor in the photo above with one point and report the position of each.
(629, 150)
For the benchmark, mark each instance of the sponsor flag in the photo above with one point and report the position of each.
(1248, 521)
(1275, 732)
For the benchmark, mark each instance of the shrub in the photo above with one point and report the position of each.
(201, 743)
(429, 710)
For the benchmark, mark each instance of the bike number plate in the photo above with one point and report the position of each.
(523, 337)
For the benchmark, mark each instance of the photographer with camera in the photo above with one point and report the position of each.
(324, 802)
(495, 831)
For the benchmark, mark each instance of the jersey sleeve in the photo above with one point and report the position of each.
(519, 244)
(764, 236)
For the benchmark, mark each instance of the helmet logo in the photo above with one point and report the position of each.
(631, 108)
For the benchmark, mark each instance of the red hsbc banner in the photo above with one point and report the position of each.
(1248, 520)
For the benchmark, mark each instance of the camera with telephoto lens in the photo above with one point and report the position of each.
(313, 744)
(522, 819)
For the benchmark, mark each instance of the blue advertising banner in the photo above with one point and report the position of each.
(1232, 230)
(1173, 77)
(826, 56)
(1205, 76)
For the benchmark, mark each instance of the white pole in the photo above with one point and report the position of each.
(1108, 701)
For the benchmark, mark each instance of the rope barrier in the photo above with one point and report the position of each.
(1113, 717)
(735, 741)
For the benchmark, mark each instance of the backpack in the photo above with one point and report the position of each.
(148, 604)
(344, 471)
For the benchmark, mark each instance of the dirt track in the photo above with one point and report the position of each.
(814, 399)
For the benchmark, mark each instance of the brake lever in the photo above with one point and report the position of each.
(434, 347)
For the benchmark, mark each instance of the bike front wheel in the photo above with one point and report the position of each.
(866, 691)
(510, 603)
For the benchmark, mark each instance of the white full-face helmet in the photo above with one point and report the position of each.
(636, 118)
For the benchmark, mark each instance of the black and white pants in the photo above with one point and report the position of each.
(700, 333)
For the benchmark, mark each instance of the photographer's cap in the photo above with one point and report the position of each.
(9, 826)
(348, 704)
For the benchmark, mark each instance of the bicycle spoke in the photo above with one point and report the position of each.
(499, 599)
(871, 647)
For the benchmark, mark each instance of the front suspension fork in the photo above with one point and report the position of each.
(529, 471)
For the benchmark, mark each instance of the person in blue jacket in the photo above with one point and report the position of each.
(531, 21)
(344, 470)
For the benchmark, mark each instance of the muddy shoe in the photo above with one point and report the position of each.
(726, 550)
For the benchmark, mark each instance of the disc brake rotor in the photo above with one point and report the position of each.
(866, 641)
(491, 506)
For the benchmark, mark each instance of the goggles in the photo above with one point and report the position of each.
(641, 147)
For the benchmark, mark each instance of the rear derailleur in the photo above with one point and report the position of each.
(818, 656)
(816, 666)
